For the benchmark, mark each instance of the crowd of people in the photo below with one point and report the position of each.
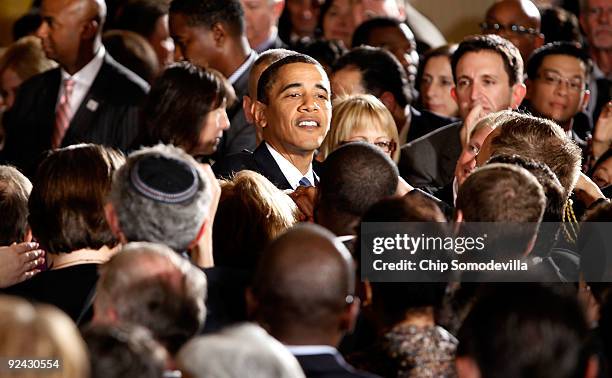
(186, 188)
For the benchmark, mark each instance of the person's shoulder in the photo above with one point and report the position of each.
(122, 76)
(41, 79)
(233, 163)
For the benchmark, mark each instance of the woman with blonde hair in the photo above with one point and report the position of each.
(40, 340)
(361, 118)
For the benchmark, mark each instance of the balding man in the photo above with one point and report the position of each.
(88, 98)
(516, 20)
(303, 294)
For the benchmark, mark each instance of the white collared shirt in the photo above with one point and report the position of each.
(309, 350)
(247, 63)
(83, 80)
(291, 173)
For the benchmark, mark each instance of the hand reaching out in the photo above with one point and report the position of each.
(19, 262)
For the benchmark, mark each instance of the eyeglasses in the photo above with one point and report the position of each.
(494, 28)
(550, 78)
(386, 146)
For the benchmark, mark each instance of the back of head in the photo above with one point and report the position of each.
(161, 195)
(541, 140)
(361, 36)
(254, 212)
(235, 351)
(15, 189)
(513, 63)
(501, 193)
(380, 72)
(41, 332)
(26, 57)
(178, 103)
(124, 351)
(133, 51)
(559, 24)
(303, 283)
(525, 330)
(152, 286)
(354, 177)
(208, 13)
(67, 201)
(141, 16)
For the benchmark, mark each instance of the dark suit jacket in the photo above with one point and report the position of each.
(108, 115)
(424, 122)
(260, 161)
(329, 366)
(241, 134)
(429, 162)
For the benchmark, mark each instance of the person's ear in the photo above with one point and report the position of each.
(518, 94)
(585, 100)
(260, 114)
(246, 108)
(348, 319)
(592, 368)
(113, 222)
(467, 368)
(538, 41)
(529, 91)
(453, 93)
(219, 34)
(388, 100)
(90, 29)
(278, 8)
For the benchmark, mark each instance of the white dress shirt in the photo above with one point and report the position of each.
(83, 80)
(291, 173)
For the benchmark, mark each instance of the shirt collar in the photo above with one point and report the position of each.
(308, 350)
(88, 73)
(247, 63)
(291, 173)
(403, 135)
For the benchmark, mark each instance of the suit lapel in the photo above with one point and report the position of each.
(90, 107)
(267, 166)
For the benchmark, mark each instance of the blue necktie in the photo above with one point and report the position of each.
(305, 182)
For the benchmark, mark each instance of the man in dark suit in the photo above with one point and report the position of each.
(212, 34)
(307, 311)
(88, 98)
(488, 73)
(293, 110)
(375, 71)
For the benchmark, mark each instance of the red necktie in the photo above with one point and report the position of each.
(62, 117)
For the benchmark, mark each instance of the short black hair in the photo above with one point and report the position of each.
(361, 35)
(380, 72)
(209, 12)
(356, 176)
(526, 327)
(269, 75)
(513, 62)
(140, 16)
(559, 48)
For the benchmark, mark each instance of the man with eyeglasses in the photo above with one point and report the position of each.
(516, 20)
(558, 74)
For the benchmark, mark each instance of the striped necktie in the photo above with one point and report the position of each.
(62, 114)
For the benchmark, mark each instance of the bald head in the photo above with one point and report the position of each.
(522, 13)
(303, 283)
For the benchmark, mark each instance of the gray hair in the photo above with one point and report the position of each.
(151, 285)
(143, 219)
(244, 350)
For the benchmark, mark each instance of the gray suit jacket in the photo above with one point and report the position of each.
(429, 161)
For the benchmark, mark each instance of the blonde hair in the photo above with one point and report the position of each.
(354, 113)
(41, 332)
(254, 212)
(26, 57)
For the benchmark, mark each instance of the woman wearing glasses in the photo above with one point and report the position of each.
(361, 118)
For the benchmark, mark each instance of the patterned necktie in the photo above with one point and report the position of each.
(305, 182)
(62, 118)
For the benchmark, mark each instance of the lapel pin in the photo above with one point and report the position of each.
(92, 105)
